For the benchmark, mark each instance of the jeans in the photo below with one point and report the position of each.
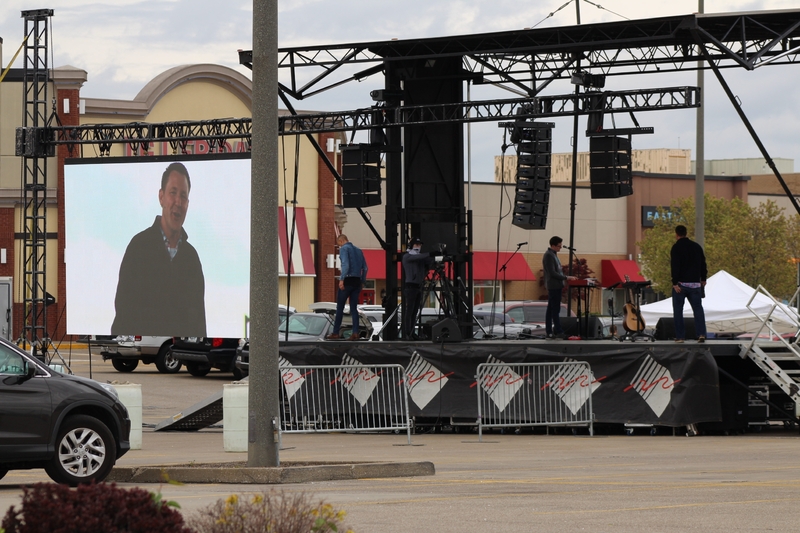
(412, 300)
(552, 317)
(696, 301)
(350, 292)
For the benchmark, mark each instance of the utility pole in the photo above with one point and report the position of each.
(263, 440)
(700, 157)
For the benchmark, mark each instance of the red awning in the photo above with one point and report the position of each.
(376, 261)
(487, 265)
(615, 270)
(483, 263)
(301, 254)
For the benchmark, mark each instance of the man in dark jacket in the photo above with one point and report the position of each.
(161, 288)
(415, 265)
(554, 279)
(689, 272)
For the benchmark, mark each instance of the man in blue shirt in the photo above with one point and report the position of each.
(354, 275)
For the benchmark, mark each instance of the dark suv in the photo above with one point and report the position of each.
(75, 428)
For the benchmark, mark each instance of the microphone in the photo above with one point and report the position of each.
(570, 248)
(519, 244)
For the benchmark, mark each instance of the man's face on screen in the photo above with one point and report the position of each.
(174, 200)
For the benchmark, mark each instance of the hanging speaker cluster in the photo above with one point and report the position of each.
(610, 167)
(361, 174)
(534, 143)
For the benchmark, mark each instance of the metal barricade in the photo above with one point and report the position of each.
(534, 394)
(344, 398)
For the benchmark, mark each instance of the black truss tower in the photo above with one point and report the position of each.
(34, 157)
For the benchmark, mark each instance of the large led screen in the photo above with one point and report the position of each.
(147, 260)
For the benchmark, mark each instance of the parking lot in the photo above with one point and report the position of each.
(508, 482)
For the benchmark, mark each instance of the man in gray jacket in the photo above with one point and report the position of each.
(554, 278)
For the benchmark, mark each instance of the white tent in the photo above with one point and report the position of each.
(725, 307)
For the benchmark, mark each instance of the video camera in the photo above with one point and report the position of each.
(440, 255)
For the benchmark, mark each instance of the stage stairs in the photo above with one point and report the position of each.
(776, 355)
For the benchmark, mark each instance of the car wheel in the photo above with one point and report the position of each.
(125, 365)
(166, 362)
(238, 375)
(85, 452)
(198, 370)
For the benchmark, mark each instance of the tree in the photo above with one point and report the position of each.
(754, 244)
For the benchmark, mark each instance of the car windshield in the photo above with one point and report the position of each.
(305, 324)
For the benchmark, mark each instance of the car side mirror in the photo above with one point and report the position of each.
(30, 371)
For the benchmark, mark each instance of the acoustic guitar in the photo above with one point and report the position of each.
(632, 319)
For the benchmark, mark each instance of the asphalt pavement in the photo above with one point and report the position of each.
(509, 482)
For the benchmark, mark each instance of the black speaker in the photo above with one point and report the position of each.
(446, 330)
(361, 175)
(532, 194)
(665, 328)
(610, 167)
(572, 329)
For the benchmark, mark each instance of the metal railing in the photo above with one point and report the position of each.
(534, 394)
(344, 398)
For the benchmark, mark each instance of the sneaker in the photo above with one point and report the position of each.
(332, 337)
(559, 336)
(549, 337)
(701, 339)
(679, 341)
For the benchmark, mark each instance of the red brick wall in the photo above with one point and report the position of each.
(56, 314)
(325, 287)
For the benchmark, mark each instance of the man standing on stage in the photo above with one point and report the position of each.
(353, 277)
(554, 279)
(415, 265)
(689, 272)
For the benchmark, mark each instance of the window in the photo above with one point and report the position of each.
(11, 362)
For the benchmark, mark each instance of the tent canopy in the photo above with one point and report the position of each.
(725, 306)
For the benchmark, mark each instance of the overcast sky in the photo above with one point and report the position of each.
(123, 44)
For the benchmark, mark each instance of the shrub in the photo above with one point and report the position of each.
(273, 512)
(95, 508)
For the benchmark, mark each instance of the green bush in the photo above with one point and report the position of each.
(95, 508)
(272, 512)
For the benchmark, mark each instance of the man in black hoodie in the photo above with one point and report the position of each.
(689, 272)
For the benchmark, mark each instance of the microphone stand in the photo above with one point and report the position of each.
(503, 269)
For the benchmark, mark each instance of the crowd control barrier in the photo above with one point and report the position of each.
(534, 394)
(344, 398)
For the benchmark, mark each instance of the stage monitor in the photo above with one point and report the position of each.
(142, 260)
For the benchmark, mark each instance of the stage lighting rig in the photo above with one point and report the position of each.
(588, 80)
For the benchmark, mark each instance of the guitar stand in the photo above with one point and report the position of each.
(636, 289)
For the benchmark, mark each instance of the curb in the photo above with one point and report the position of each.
(268, 475)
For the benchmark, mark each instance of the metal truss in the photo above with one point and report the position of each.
(139, 134)
(217, 132)
(34, 120)
(523, 58)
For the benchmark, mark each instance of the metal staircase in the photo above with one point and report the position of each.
(777, 356)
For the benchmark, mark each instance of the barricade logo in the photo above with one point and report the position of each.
(424, 380)
(360, 381)
(654, 384)
(573, 384)
(292, 379)
(500, 383)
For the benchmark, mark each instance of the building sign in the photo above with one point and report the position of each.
(650, 213)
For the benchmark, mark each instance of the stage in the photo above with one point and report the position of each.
(659, 383)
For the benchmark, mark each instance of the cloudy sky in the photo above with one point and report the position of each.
(123, 44)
